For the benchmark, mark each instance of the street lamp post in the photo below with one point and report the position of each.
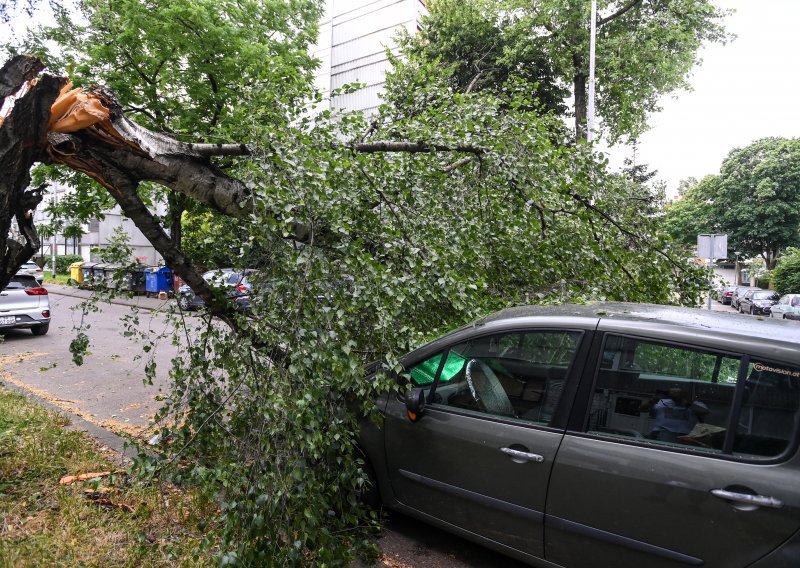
(737, 276)
(590, 110)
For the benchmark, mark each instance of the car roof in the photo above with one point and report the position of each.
(725, 322)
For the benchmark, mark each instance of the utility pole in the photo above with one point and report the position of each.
(590, 110)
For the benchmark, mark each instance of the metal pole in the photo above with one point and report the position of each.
(53, 245)
(592, 36)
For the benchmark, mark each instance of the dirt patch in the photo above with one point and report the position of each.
(70, 406)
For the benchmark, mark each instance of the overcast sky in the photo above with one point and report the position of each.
(744, 90)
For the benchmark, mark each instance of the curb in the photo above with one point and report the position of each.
(140, 302)
(104, 437)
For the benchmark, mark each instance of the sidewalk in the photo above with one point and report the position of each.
(141, 302)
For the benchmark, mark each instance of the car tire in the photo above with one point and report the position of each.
(370, 496)
(751, 311)
(40, 329)
(184, 303)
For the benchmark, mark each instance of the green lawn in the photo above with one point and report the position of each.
(109, 521)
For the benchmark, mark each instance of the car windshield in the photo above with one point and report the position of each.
(765, 296)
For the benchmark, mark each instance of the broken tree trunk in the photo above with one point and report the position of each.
(23, 142)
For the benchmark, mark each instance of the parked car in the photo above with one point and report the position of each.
(758, 302)
(739, 293)
(726, 294)
(235, 283)
(32, 269)
(25, 304)
(601, 435)
(787, 307)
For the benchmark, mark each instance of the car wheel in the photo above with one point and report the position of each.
(40, 329)
(370, 495)
(751, 311)
(184, 303)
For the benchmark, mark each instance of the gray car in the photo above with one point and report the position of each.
(601, 435)
(25, 304)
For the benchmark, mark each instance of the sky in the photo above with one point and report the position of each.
(745, 90)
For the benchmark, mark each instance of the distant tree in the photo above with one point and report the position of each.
(755, 200)
(692, 213)
(786, 275)
(686, 184)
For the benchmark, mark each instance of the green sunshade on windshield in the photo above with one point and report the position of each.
(424, 373)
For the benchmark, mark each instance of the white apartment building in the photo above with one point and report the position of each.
(353, 39)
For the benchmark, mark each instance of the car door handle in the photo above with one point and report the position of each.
(747, 499)
(524, 456)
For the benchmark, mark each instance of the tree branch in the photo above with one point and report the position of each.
(630, 5)
(413, 147)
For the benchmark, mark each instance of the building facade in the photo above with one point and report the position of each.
(353, 39)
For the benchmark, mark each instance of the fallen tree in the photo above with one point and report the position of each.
(369, 238)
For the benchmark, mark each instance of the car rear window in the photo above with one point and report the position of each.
(22, 282)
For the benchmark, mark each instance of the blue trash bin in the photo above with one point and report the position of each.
(158, 279)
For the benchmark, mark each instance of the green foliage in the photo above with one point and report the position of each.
(202, 70)
(212, 240)
(786, 276)
(759, 199)
(63, 261)
(691, 214)
(118, 250)
(642, 53)
(478, 46)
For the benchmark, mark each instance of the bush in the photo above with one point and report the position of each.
(786, 275)
(63, 262)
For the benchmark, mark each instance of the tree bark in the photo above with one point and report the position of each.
(579, 88)
(23, 140)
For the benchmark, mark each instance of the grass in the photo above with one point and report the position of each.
(62, 279)
(121, 522)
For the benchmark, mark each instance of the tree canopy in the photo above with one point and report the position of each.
(645, 49)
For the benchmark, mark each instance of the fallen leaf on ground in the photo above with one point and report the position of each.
(67, 479)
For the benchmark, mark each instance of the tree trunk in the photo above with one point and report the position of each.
(23, 140)
(581, 100)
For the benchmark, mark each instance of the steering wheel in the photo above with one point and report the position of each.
(486, 389)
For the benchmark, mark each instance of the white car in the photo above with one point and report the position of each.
(25, 304)
(32, 269)
(788, 307)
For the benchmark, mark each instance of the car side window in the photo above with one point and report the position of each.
(766, 419)
(515, 375)
(681, 397)
(663, 394)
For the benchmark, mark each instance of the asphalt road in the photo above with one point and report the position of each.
(108, 391)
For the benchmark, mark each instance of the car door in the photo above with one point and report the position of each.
(718, 490)
(479, 457)
(780, 307)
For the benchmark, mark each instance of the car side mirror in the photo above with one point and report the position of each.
(415, 404)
